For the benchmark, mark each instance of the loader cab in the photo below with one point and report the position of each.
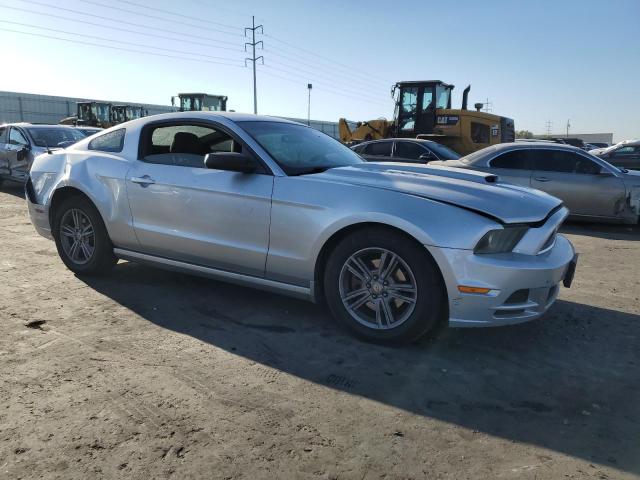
(94, 114)
(416, 105)
(195, 102)
(124, 113)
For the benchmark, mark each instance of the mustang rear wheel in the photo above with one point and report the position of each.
(81, 237)
(384, 286)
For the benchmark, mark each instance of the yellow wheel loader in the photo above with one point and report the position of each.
(423, 110)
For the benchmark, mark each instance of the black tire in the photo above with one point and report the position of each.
(102, 259)
(429, 300)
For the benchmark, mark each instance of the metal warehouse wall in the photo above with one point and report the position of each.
(32, 108)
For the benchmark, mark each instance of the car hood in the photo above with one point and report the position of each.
(469, 189)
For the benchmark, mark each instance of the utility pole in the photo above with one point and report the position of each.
(548, 128)
(487, 105)
(568, 126)
(309, 86)
(253, 58)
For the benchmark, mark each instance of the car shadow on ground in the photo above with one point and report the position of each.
(602, 230)
(12, 188)
(558, 383)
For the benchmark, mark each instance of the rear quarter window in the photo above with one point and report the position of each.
(109, 142)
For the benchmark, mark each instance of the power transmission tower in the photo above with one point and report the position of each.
(548, 128)
(253, 58)
(568, 126)
(487, 106)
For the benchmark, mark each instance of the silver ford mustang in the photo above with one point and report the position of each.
(393, 248)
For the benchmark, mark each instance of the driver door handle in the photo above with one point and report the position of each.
(541, 179)
(143, 181)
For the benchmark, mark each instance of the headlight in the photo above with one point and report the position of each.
(500, 241)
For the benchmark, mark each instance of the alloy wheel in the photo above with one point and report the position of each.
(378, 288)
(77, 236)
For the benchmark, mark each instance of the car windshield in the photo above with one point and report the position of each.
(300, 150)
(52, 137)
(444, 152)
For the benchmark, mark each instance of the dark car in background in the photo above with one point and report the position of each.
(404, 150)
(20, 143)
(624, 154)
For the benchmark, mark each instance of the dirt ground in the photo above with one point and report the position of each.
(151, 374)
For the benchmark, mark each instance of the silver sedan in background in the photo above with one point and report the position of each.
(590, 187)
(393, 248)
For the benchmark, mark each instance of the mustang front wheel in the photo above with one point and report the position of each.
(384, 286)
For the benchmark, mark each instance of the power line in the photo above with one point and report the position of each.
(320, 75)
(253, 58)
(78, 42)
(117, 41)
(188, 17)
(326, 90)
(135, 32)
(117, 20)
(320, 56)
(91, 2)
(353, 77)
(340, 90)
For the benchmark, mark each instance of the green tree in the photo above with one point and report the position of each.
(524, 134)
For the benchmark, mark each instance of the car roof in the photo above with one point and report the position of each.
(209, 115)
(481, 155)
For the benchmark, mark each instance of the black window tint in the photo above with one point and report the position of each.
(382, 149)
(515, 159)
(359, 148)
(565, 162)
(409, 150)
(586, 166)
(3, 132)
(108, 142)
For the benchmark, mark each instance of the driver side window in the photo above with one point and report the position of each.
(17, 138)
(184, 144)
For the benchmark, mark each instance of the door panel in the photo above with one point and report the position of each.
(209, 217)
(586, 194)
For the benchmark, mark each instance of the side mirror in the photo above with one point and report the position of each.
(230, 161)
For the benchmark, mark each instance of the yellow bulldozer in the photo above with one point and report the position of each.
(423, 110)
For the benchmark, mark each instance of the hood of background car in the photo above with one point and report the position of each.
(477, 191)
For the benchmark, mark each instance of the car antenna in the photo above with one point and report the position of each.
(46, 145)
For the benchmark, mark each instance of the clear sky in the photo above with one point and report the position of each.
(535, 60)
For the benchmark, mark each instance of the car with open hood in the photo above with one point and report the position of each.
(625, 154)
(393, 249)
